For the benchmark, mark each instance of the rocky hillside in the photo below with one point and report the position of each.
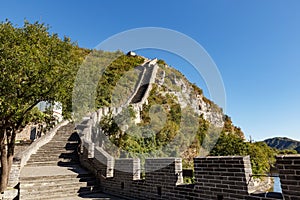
(188, 95)
(161, 112)
(152, 110)
(283, 143)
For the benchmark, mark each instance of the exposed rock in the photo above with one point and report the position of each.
(187, 96)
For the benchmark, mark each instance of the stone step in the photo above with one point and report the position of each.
(64, 137)
(54, 147)
(59, 179)
(51, 163)
(50, 158)
(82, 174)
(53, 158)
(47, 184)
(51, 194)
(44, 186)
(55, 150)
(54, 172)
(39, 160)
(64, 145)
(52, 154)
(72, 189)
(58, 155)
(71, 196)
(60, 144)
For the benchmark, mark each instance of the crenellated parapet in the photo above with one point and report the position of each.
(215, 177)
(226, 176)
(289, 173)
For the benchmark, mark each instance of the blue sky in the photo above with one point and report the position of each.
(255, 44)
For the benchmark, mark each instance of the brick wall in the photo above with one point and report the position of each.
(289, 173)
(227, 177)
(224, 177)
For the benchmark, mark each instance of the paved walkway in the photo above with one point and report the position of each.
(48, 171)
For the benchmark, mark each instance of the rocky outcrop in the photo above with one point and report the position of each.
(170, 82)
(179, 86)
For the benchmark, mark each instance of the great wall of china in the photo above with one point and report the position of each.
(215, 177)
(218, 178)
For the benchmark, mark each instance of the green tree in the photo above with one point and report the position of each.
(230, 128)
(230, 145)
(262, 157)
(35, 66)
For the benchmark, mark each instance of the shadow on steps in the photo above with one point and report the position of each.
(72, 162)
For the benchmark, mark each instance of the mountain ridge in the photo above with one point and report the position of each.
(171, 118)
(283, 143)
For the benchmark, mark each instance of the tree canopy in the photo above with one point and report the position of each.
(35, 66)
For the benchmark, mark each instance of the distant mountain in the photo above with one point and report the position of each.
(283, 143)
(298, 149)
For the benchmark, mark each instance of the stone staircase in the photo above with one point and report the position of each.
(54, 172)
(140, 94)
(145, 82)
(61, 150)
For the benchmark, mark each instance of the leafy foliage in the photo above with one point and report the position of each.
(34, 66)
(262, 157)
(229, 127)
(144, 137)
(112, 74)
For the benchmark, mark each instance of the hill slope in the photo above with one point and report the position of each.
(283, 143)
(159, 113)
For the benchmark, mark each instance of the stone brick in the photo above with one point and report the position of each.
(216, 177)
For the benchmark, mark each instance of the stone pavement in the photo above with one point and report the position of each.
(54, 172)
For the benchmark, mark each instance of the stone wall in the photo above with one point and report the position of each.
(215, 177)
(24, 156)
(152, 68)
(289, 173)
(225, 177)
(21, 158)
(138, 85)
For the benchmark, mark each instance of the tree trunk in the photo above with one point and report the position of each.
(10, 151)
(4, 168)
(7, 154)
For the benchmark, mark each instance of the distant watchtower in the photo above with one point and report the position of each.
(131, 53)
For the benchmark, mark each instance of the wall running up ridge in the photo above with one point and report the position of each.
(215, 177)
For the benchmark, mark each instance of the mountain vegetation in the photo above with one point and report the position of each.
(144, 140)
(39, 66)
(283, 144)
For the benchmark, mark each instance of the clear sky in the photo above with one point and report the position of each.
(255, 44)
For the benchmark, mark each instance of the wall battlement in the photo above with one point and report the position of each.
(223, 177)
